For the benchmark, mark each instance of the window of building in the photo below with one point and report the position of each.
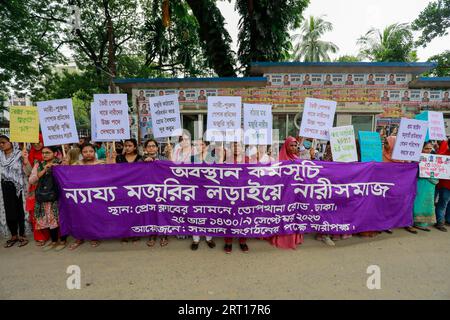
(190, 122)
(362, 123)
(294, 121)
(279, 123)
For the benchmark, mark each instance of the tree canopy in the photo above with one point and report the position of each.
(433, 21)
(394, 43)
(310, 47)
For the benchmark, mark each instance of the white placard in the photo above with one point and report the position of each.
(111, 117)
(343, 145)
(224, 119)
(57, 122)
(410, 138)
(257, 124)
(436, 126)
(317, 120)
(94, 137)
(93, 124)
(434, 166)
(165, 113)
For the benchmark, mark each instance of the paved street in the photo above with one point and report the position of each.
(412, 267)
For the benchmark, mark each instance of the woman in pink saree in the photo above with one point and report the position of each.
(289, 151)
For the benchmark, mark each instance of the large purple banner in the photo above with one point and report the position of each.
(127, 200)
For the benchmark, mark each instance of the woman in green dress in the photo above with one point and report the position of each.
(424, 203)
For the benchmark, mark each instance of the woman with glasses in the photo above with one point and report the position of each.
(46, 213)
(29, 160)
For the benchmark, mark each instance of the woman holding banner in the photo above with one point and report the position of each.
(326, 238)
(202, 155)
(289, 151)
(182, 154)
(424, 207)
(88, 159)
(151, 154)
(13, 185)
(235, 156)
(388, 149)
(29, 160)
(46, 205)
(130, 155)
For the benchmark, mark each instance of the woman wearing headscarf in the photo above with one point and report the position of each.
(289, 151)
(13, 185)
(29, 160)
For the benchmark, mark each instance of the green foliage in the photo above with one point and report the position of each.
(29, 37)
(214, 38)
(175, 50)
(395, 43)
(310, 48)
(90, 42)
(443, 67)
(347, 58)
(264, 29)
(433, 21)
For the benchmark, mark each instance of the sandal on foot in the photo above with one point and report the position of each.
(76, 244)
(23, 242)
(422, 228)
(328, 241)
(211, 244)
(95, 243)
(40, 243)
(244, 247)
(163, 242)
(151, 242)
(228, 248)
(440, 227)
(9, 243)
(411, 230)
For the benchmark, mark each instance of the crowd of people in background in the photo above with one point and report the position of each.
(25, 176)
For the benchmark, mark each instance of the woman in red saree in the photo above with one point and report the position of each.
(35, 155)
(289, 151)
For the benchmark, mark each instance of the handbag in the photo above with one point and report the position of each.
(47, 191)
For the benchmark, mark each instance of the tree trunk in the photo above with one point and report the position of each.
(215, 38)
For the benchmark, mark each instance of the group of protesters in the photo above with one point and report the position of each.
(25, 172)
